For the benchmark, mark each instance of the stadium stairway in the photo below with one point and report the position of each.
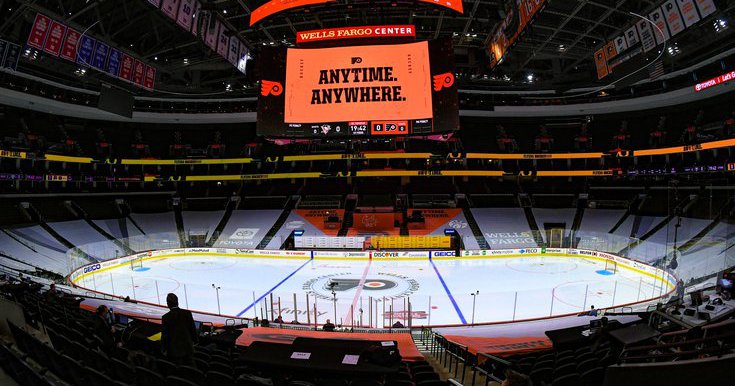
(463, 202)
(231, 205)
(38, 217)
(288, 207)
(80, 212)
(348, 219)
(525, 202)
(678, 210)
(724, 211)
(183, 242)
(578, 216)
(633, 207)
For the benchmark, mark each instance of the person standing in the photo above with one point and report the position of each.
(179, 333)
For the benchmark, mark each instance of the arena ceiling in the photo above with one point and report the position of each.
(557, 49)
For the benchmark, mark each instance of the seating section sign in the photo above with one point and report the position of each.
(60, 40)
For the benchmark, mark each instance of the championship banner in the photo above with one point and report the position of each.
(673, 17)
(209, 30)
(170, 8)
(195, 18)
(706, 7)
(234, 50)
(659, 20)
(150, 78)
(242, 58)
(126, 67)
(620, 44)
(186, 14)
(512, 27)
(688, 11)
(85, 50)
(71, 41)
(12, 55)
(55, 38)
(631, 36)
(113, 62)
(647, 38)
(601, 63)
(138, 72)
(223, 42)
(39, 31)
(366, 32)
(99, 60)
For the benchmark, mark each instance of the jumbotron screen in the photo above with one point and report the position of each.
(397, 89)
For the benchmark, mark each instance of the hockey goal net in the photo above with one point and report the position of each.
(136, 263)
(611, 266)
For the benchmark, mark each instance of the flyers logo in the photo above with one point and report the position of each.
(268, 87)
(370, 284)
(444, 80)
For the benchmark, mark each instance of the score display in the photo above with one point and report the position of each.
(397, 89)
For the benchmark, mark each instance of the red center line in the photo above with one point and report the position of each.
(351, 312)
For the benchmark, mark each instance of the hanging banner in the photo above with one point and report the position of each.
(150, 78)
(55, 38)
(39, 31)
(186, 14)
(688, 11)
(620, 44)
(71, 41)
(234, 50)
(242, 59)
(195, 18)
(138, 72)
(99, 59)
(170, 8)
(12, 56)
(631, 36)
(673, 17)
(610, 52)
(507, 32)
(647, 39)
(85, 50)
(223, 42)
(661, 33)
(706, 7)
(601, 63)
(126, 67)
(113, 62)
(211, 32)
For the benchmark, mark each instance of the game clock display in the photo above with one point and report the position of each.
(378, 90)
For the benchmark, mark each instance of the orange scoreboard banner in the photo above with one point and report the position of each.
(364, 32)
(366, 84)
(275, 6)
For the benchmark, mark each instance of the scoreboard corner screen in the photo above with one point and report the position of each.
(373, 90)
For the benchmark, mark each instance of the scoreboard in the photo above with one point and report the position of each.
(371, 90)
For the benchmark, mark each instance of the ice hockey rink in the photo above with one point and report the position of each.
(378, 292)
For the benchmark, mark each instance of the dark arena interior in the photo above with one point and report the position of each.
(367, 192)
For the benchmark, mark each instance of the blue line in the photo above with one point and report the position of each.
(273, 289)
(449, 293)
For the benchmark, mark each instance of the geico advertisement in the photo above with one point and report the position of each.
(358, 83)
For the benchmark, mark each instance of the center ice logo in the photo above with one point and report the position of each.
(377, 285)
(370, 284)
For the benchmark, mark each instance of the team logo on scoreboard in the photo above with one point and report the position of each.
(268, 87)
(382, 284)
(444, 80)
